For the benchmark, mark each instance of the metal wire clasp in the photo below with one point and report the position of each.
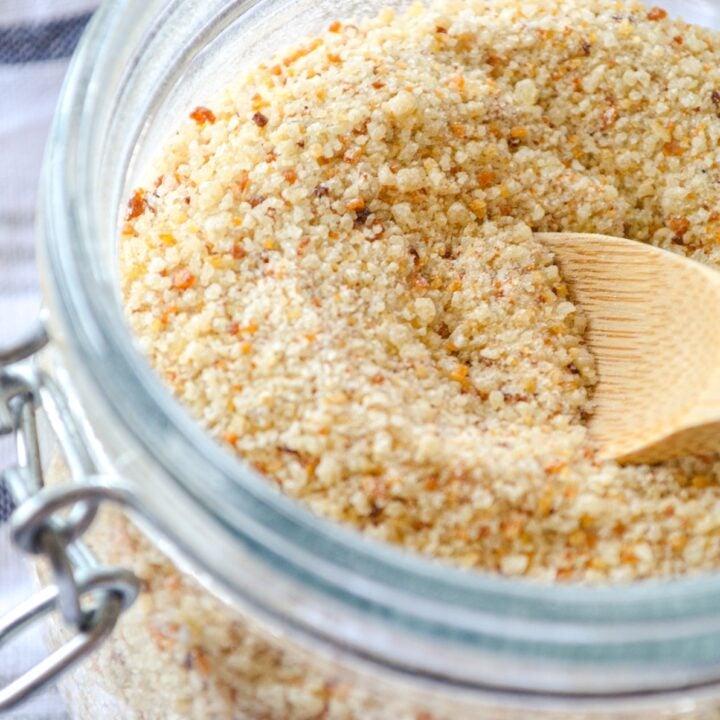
(51, 521)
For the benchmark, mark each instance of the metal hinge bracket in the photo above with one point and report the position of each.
(50, 521)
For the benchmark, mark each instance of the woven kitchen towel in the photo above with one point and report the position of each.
(36, 40)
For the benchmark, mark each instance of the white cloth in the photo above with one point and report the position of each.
(28, 92)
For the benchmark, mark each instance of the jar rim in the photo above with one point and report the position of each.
(640, 622)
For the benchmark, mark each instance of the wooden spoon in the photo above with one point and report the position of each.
(654, 329)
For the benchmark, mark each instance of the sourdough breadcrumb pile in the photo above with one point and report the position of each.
(335, 271)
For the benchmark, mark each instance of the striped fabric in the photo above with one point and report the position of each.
(36, 39)
(41, 41)
(6, 504)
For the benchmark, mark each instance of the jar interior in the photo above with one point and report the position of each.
(138, 72)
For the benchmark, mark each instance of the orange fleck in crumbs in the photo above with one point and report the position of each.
(137, 205)
(183, 279)
(656, 13)
(203, 116)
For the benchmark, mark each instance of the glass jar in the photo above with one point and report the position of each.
(274, 613)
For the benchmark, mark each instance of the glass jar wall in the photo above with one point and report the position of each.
(274, 613)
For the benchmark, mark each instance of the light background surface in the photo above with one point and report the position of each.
(28, 93)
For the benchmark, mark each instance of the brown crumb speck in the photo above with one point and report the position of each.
(361, 216)
(260, 120)
(715, 97)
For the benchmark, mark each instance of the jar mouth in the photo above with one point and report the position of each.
(115, 91)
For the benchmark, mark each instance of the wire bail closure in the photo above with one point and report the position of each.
(50, 522)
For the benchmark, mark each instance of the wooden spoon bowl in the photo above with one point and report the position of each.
(654, 329)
